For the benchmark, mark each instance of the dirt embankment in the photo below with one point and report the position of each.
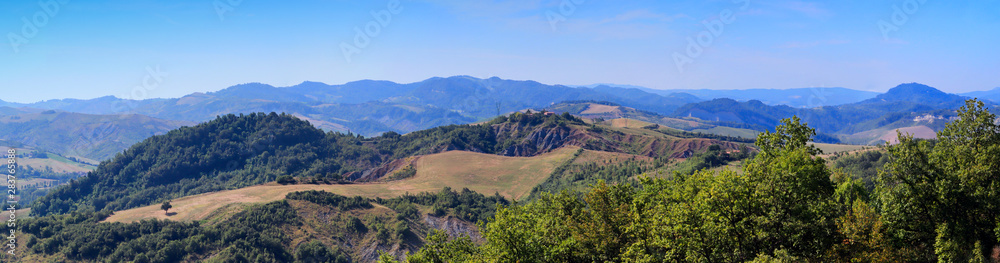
(520, 140)
(454, 227)
(383, 170)
(540, 140)
(685, 148)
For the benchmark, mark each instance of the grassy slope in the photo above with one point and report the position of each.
(96, 137)
(628, 123)
(56, 163)
(512, 177)
(327, 224)
(888, 134)
(617, 116)
(606, 157)
(729, 131)
(829, 148)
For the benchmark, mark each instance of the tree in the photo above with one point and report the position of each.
(316, 252)
(286, 179)
(440, 249)
(793, 192)
(166, 206)
(945, 197)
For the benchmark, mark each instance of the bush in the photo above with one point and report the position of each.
(355, 224)
(316, 251)
(286, 179)
(330, 199)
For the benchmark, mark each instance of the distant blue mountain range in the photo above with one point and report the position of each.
(370, 107)
(798, 97)
(897, 108)
(993, 95)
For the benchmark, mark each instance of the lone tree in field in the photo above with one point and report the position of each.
(166, 206)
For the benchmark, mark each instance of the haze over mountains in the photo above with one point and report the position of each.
(370, 107)
(244, 185)
(993, 94)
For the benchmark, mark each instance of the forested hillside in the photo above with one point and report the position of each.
(309, 226)
(238, 151)
(609, 111)
(906, 105)
(97, 137)
(933, 202)
(370, 107)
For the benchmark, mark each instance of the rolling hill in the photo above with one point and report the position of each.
(308, 226)
(615, 113)
(239, 151)
(370, 107)
(220, 176)
(93, 137)
(991, 95)
(511, 177)
(796, 98)
(865, 122)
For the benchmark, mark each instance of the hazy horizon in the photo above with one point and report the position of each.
(554, 84)
(59, 49)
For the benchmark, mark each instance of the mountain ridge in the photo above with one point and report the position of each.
(993, 94)
(891, 110)
(794, 97)
(420, 105)
(236, 151)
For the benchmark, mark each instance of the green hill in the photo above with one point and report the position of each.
(239, 151)
(310, 226)
(96, 137)
(865, 122)
(369, 107)
(610, 111)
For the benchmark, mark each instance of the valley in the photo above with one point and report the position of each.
(500, 131)
(420, 167)
(94, 132)
(395, 186)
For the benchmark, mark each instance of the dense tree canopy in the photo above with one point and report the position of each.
(945, 198)
(781, 205)
(934, 201)
(255, 234)
(238, 151)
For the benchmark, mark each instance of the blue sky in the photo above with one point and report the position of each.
(87, 49)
